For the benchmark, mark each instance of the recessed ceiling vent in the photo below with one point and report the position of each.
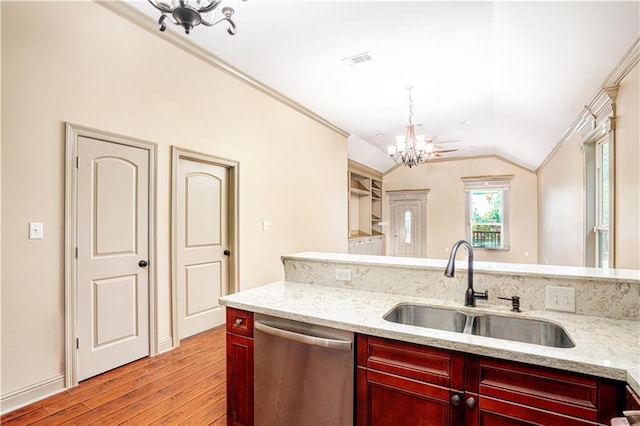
(357, 59)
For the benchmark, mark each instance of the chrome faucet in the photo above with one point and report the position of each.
(471, 295)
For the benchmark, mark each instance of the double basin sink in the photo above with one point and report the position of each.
(526, 330)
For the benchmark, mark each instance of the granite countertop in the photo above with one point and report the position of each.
(605, 347)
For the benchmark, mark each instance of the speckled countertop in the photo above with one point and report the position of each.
(604, 347)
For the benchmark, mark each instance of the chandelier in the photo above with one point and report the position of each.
(410, 150)
(191, 13)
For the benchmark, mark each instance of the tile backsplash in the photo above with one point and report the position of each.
(614, 295)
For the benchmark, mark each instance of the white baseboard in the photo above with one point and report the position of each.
(165, 345)
(32, 393)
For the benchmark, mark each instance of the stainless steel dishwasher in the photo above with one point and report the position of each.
(303, 374)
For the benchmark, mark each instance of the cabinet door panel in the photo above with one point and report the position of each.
(239, 380)
(393, 400)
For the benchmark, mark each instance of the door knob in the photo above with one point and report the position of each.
(226, 252)
(143, 263)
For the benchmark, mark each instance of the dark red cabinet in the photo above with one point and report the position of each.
(513, 393)
(632, 400)
(402, 383)
(239, 367)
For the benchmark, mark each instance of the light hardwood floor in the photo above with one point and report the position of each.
(186, 386)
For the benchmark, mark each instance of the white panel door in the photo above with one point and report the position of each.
(202, 238)
(113, 281)
(405, 229)
(409, 227)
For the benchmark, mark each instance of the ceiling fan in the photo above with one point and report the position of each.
(433, 150)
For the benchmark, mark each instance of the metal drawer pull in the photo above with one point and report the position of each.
(456, 400)
(323, 342)
(471, 402)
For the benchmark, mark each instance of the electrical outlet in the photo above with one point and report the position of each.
(343, 274)
(560, 298)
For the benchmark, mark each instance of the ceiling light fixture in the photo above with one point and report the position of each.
(191, 13)
(410, 150)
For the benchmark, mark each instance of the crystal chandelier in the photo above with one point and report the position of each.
(410, 150)
(191, 13)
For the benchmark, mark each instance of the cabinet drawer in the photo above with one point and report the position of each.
(561, 392)
(417, 362)
(240, 322)
(496, 412)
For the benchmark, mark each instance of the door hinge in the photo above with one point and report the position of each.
(77, 162)
(77, 343)
(76, 252)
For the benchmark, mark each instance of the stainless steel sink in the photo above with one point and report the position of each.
(526, 330)
(537, 332)
(427, 316)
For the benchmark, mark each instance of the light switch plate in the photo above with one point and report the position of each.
(36, 230)
(560, 298)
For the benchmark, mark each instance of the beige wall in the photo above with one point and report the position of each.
(446, 205)
(80, 63)
(561, 190)
(561, 207)
(627, 145)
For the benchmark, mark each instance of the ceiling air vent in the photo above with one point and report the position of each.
(357, 59)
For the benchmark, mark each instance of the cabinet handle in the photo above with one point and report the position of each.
(455, 400)
(471, 402)
(238, 322)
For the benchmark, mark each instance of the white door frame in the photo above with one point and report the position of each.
(73, 133)
(232, 217)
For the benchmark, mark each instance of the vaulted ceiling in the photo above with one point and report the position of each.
(503, 78)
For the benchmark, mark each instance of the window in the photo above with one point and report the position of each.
(408, 219)
(602, 200)
(598, 149)
(487, 211)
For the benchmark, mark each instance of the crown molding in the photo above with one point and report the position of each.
(147, 23)
(600, 104)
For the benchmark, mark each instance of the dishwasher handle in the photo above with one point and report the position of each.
(343, 345)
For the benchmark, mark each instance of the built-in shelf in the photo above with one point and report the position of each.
(365, 201)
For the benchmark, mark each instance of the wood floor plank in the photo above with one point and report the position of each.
(209, 413)
(187, 410)
(161, 398)
(187, 382)
(135, 379)
(27, 417)
(20, 412)
(153, 414)
(61, 416)
(120, 399)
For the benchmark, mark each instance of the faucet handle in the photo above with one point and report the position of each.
(515, 302)
(484, 295)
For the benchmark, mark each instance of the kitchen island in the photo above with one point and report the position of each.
(607, 344)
